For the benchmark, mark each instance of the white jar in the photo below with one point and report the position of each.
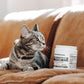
(65, 57)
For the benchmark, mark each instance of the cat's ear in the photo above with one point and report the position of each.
(35, 28)
(25, 31)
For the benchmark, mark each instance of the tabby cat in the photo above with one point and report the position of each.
(26, 54)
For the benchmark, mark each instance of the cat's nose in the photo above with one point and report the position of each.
(43, 43)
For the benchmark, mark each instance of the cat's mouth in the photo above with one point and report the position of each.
(40, 49)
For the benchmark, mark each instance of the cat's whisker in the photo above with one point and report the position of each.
(48, 47)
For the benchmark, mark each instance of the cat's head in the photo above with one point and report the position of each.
(33, 39)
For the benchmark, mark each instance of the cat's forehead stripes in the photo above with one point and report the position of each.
(27, 40)
(39, 36)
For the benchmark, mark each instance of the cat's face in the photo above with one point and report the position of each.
(33, 40)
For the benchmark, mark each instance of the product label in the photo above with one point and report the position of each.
(65, 57)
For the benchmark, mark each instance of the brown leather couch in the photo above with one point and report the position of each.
(63, 26)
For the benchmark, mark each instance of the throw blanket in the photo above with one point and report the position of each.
(42, 76)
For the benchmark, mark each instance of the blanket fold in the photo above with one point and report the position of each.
(36, 77)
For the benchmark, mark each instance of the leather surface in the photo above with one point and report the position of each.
(71, 32)
(66, 79)
(65, 27)
(39, 76)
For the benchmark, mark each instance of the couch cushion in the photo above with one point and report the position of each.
(71, 32)
(10, 29)
(66, 79)
(32, 77)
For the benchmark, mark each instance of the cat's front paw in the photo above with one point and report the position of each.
(28, 69)
(3, 66)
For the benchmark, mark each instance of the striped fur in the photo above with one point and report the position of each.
(26, 54)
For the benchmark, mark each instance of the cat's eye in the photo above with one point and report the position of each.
(37, 39)
(43, 43)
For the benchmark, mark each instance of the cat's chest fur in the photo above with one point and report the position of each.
(24, 63)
